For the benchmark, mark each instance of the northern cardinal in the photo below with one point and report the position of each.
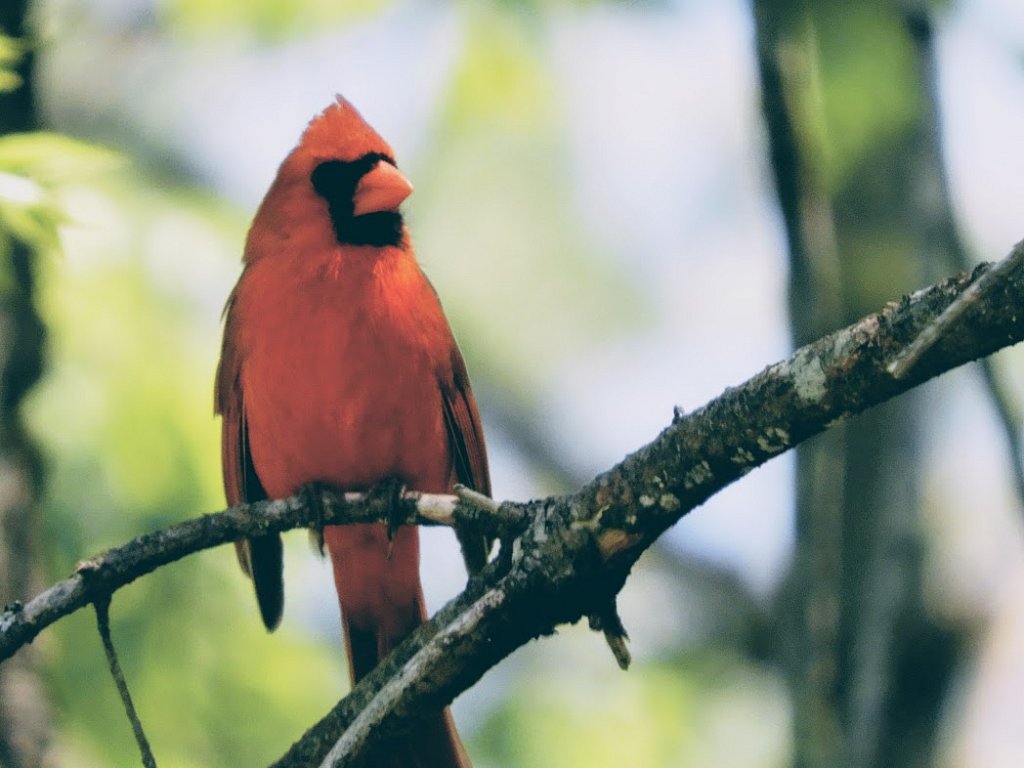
(339, 368)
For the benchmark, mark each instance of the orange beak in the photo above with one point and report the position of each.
(382, 188)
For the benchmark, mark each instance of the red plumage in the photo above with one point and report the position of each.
(339, 367)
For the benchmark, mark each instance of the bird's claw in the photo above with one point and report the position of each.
(389, 493)
(609, 622)
(313, 496)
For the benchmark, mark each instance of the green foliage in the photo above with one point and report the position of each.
(273, 21)
(659, 715)
(266, 20)
(11, 51)
(870, 93)
(31, 165)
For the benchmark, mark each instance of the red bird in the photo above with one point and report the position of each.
(338, 367)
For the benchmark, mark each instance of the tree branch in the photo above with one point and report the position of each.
(101, 576)
(563, 558)
(578, 549)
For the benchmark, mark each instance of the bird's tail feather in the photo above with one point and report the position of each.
(381, 603)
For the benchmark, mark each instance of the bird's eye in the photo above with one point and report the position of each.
(335, 179)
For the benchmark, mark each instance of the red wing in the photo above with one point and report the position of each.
(261, 557)
(227, 395)
(469, 456)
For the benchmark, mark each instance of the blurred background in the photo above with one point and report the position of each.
(625, 206)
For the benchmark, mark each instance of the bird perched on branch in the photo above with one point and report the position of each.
(339, 368)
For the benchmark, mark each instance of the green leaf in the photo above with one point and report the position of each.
(34, 224)
(49, 158)
(266, 20)
(11, 51)
(9, 81)
(31, 166)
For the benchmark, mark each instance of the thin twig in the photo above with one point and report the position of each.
(377, 708)
(102, 605)
(902, 364)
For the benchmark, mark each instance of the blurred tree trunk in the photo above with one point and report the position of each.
(24, 715)
(868, 666)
